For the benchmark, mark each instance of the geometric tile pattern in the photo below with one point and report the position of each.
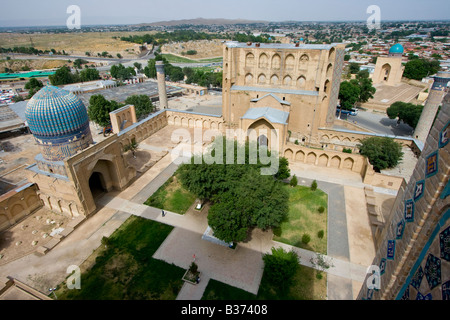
(444, 135)
(431, 164)
(419, 190)
(400, 229)
(409, 210)
(417, 280)
(446, 290)
(444, 244)
(433, 271)
(422, 297)
(391, 249)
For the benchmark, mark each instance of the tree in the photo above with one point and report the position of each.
(121, 72)
(409, 113)
(63, 76)
(348, 94)
(150, 69)
(314, 185)
(89, 74)
(99, 109)
(280, 267)
(142, 104)
(382, 152)
(294, 181)
(347, 57)
(418, 69)
(33, 83)
(241, 197)
(78, 62)
(283, 169)
(366, 89)
(353, 68)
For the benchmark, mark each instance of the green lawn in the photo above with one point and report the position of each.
(306, 286)
(171, 196)
(304, 218)
(125, 270)
(171, 58)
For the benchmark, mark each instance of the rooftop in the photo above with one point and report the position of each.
(234, 44)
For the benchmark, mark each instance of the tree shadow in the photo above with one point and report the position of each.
(398, 129)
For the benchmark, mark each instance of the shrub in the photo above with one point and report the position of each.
(294, 181)
(320, 234)
(347, 150)
(280, 267)
(193, 268)
(321, 209)
(296, 142)
(306, 238)
(319, 276)
(314, 185)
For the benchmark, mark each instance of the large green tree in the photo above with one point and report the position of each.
(63, 76)
(349, 94)
(418, 69)
(409, 113)
(382, 152)
(366, 89)
(89, 74)
(142, 104)
(99, 109)
(242, 198)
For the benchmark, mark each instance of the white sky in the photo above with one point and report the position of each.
(53, 12)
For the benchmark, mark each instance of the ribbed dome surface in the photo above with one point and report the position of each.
(55, 112)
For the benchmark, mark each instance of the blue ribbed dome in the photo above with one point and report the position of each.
(55, 112)
(397, 48)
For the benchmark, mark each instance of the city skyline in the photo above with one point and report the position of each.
(101, 12)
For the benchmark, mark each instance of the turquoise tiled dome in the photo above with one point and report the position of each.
(55, 112)
(397, 48)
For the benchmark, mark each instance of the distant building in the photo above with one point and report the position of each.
(389, 70)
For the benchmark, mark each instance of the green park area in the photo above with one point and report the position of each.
(122, 268)
(172, 196)
(306, 222)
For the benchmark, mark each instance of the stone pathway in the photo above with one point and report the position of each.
(242, 267)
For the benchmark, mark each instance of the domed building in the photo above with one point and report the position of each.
(68, 171)
(59, 123)
(389, 70)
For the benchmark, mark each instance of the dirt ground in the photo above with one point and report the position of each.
(29, 234)
(74, 43)
(204, 48)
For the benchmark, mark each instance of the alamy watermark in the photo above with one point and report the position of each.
(74, 280)
(374, 20)
(74, 20)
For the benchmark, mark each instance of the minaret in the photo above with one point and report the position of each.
(431, 106)
(160, 75)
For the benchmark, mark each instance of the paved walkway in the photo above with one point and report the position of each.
(243, 267)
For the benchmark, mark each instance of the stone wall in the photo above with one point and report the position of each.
(17, 204)
(413, 255)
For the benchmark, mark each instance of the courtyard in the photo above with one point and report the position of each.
(241, 268)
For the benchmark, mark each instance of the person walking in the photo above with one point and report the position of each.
(163, 213)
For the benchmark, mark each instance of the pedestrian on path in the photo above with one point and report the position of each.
(163, 213)
(193, 257)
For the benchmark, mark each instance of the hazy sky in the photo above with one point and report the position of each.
(53, 12)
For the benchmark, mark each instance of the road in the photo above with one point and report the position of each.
(380, 123)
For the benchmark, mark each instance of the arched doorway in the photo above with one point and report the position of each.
(263, 140)
(385, 72)
(263, 133)
(97, 185)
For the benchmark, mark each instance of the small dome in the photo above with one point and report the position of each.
(55, 112)
(397, 48)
